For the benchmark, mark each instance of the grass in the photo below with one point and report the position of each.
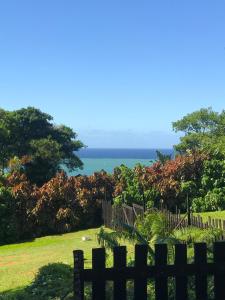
(19, 263)
(43, 268)
(212, 214)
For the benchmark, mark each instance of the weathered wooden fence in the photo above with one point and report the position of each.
(180, 270)
(128, 214)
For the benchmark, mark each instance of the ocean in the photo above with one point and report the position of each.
(107, 159)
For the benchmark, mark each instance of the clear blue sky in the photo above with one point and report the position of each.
(118, 72)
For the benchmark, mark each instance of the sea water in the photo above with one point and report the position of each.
(95, 160)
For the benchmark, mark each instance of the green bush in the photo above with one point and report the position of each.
(53, 281)
(8, 223)
(214, 200)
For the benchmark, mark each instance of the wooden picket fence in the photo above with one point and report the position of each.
(159, 273)
(127, 214)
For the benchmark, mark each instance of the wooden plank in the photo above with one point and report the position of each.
(161, 283)
(219, 277)
(140, 282)
(199, 221)
(216, 223)
(98, 283)
(210, 221)
(125, 215)
(138, 210)
(200, 258)
(223, 224)
(78, 283)
(119, 255)
(181, 281)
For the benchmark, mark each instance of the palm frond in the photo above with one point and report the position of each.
(109, 240)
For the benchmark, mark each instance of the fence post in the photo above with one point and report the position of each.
(78, 284)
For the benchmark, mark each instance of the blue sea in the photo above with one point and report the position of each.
(107, 159)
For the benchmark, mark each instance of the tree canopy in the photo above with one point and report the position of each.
(202, 129)
(31, 132)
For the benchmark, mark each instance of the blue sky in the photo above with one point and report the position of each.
(118, 72)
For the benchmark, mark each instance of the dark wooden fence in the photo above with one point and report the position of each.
(159, 273)
(127, 214)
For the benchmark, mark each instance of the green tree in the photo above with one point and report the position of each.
(162, 158)
(30, 132)
(200, 128)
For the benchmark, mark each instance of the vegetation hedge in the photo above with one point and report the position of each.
(63, 204)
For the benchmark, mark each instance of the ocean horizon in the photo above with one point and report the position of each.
(97, 159)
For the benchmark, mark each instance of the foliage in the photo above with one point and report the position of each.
(197, 126)
(191, 235)
(63, 204)
(52, 282)
(50, 277)
(212, 201)
(162, 158)
(8, 224)
(198, 171)
(30, 132)
(169, 179)
(130, 186)
(148, 230)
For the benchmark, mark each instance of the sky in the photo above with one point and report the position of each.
(118, 72)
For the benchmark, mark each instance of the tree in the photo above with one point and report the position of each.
(200, 128)
(30, 132)
(162, 158)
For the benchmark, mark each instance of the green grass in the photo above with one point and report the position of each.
(19, 263)
(212, 214)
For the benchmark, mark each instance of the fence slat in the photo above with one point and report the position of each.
(119, 255)
(78, 284)
(219, 277)
(161, 283)
(98, 283)
(140, 283)
(181, 281)
(200, 258)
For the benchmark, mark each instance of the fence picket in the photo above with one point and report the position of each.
(119, 262)
(161, 283)
(181, 281)
(140, 283)
(78, 283)
(98, 265)
(200, 258)
(219, 277)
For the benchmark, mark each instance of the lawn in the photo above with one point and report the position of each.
(212, 214)
(20, 262)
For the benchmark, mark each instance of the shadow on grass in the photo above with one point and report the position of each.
(53, 281)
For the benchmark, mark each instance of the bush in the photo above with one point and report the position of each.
(61, 205)
(53, 281)
(213, 201)
(8, 224)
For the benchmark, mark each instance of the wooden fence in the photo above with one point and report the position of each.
(127, 214)
(159, 273)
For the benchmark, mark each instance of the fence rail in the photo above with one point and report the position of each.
(159, 273)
